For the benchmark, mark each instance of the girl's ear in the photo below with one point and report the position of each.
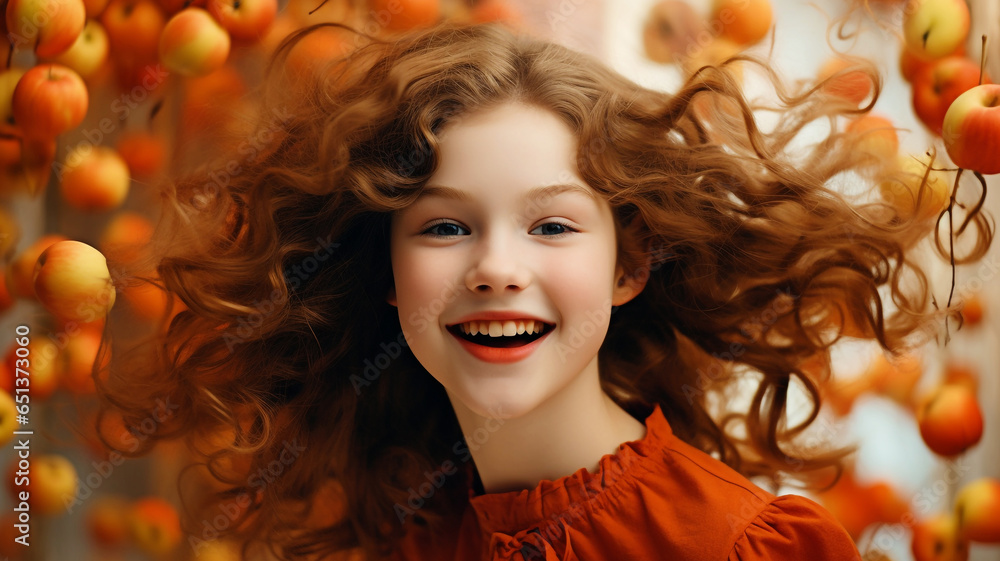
(628, 286)
(391, 297)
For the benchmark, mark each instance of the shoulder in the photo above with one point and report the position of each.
(722, 507)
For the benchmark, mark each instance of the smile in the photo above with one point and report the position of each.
(501, 348)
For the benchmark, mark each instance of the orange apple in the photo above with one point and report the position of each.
(875, 135)
(951, 421)
(977, 509)
(743, 21)
(841, 81)
(43, 367)
(910, 64)
(73, 283)
(50, 481)
(401, 15)
(935, 28)
(52, 98)
(936, 539)
(20, 274)
(972, 310)
(672, 31)
(208, 99)
(936, 86)
(94, 8)
(246, 20)
(905, 189)
(88, 52)
(193, 44)
(149, 302)
(125, 238)
(49, 26)
(971, 129)
(144, 152)
(898, 379)
(496, 11)
(79, 355)
(154, 525)
(107, 520)
(961, 373)
(94, 179)
(8, 418)
(171, 7)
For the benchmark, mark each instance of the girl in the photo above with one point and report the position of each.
(484, 298)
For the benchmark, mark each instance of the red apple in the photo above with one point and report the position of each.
(745, 22)
(936, 539)
(20, 273)
(144, 152)
(193, 44)
(935, 28)
(951, 421)
(971, 129)
(95, 178)
(154, 525)
(134, 28)
(51, 482)
(73, 283)
(977, 509)
(49, 26)
(88, 52)
(936, 86)
(904, 188)
(94, 8)
(401, 15)
(672, 31)
(248, 20)
(875, 135)
(52, 98)
(910, 64)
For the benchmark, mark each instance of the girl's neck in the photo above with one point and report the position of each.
(572, 430)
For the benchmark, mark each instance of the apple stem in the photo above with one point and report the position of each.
(982, 61)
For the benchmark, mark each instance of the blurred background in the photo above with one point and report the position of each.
(923, 483)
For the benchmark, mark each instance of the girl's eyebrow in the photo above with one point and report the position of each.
(532, 195)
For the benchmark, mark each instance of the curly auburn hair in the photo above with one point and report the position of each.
(755, 266)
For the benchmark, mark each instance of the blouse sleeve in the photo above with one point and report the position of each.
(793, 527)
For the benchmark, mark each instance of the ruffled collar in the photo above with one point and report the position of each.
(514, 511)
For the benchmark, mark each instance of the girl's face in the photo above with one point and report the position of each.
(506, 224)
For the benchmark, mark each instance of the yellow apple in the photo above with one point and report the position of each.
(94, 178)
(935, 28)
(51, 483)
(193, 43)
(977, 509)
(906, 190)
(936, 539)
(72, 281)
(88, 52)
(8, 418)
(971, 129)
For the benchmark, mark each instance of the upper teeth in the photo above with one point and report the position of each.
(506, 328)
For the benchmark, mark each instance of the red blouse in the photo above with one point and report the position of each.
(654, 498)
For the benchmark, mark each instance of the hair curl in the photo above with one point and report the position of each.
(754, 263)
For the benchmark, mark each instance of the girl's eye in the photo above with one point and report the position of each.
(449, 229)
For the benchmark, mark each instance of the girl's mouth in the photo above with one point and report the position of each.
(501, 342)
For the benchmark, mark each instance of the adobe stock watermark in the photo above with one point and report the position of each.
(231, 511)
(132, 437)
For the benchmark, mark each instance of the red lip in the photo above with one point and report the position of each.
(499, 355)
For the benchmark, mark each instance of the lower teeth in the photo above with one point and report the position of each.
(502, 342)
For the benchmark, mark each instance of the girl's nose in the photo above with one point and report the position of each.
(497, 268)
